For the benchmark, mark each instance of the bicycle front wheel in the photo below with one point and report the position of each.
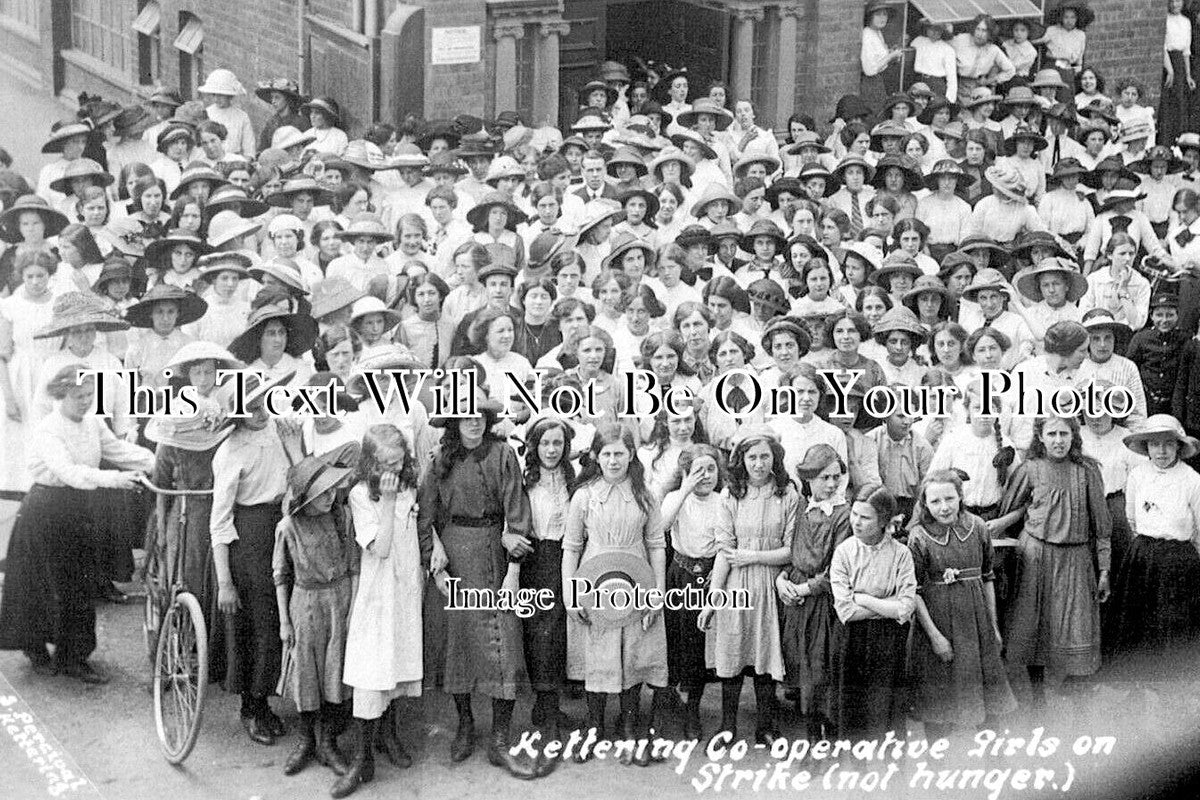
(180, 677)
(158, 591)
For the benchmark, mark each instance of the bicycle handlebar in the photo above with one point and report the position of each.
(144, 481)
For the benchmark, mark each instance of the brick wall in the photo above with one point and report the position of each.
(457, 88)
(1126, 41)
(829, 36)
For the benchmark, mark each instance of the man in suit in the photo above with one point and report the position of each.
(595, 183)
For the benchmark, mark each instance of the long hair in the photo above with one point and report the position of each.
(453, 450)
(1037, 449)
(689, 456)
(660, 435)
(739, 478)
(923, 514)
(533, 464)
(78, 235)
(380, 438)
(612, 433)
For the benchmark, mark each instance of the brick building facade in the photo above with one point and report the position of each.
(436, 58)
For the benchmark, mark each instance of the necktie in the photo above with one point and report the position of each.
(737, 399)
(856, 217)
(1120, 223)
(1184, 237)
(437, 351)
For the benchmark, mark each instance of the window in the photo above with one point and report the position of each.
(98, 29)
(526, 46)
(760, 63)
(190, 44)
(149, 43)
(22, 12)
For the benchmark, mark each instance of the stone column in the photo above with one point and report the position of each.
(545, 90)
(506, 35)
(785, 85)
(743, 50)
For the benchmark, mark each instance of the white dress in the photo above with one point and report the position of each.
(25, 367)
(384, 645)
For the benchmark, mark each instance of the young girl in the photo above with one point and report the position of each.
(1064, 556)
(286, 234)
(149, 196)
(817, 278)
(495, 219)
(610, 288)
(612, 511)
(384, 640)
(22, 314)
(372, 320)
(956, 650)
(173, 259)
(804, 588)
(469, 295)
(900, 333)
(411, 237)
(427, 333)
(874, 594)
(697, 519)
(81, 260)
(364, 235)
(313, 568)
(982, 451)
(668, 436)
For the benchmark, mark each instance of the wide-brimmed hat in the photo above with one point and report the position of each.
(1024, 244)
(303, 184)
(899, 318)
(1065, 167)
(614, 577)
(596, 212)
(787, 325)
(373, 305)
(444, 162)
(62, 133)
(115, 268)
(850, 106)
(1188, 140)
(545, 246)
(333, 294)
(689, 135)
(76, 309)
(82, 168)
(570, 141)
(167, 97)
(986, 278)
(197, 172)
(1101, 107)
(409, 156)
(478, 215)
(622, 244)
(674, 154)
(191, 306)
(1084, 15)
(159, 251)
(1133, 131)
(769, 293)
(284, 270)
(221, 81)
(228, 197)
(933, 106)
(1026, 134)
(301, 330)
(1159, 425)
(815, 169)
(195, 434)
(693, 235)
(285, 86)
(202, 351)
(225, 226)
(1063, 112)
(365, 155)
(895, 99)
(778, 187)
(1158, 153)
(1036, 28)
(439, 129)
(10, 229)
(927, 284)
(1047, 78)
(1026, 281)
(216, 263)
(713, 192)
(614, 72)
(174, 131)
(503, 167)
(627, 156)
(315, 475)
(596, 86)
(652, 202)
(764, 227)
(770, 162)
(888, 129)
(1103, 319)
(981, 95)
(287, 136)
(1006, 180)
(913, 180)
(1094, 179)
(853, 160)
(326, 105)
(704, 105)
(1118, 196)
(592, 120)
(1019, 96)
(870, 255)
(946, 166)
(804, 140)
(365, 225)
(896, 262)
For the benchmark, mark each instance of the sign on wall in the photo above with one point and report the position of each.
(462, 45)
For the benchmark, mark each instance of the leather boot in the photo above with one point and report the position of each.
(386, 741)
(691, 715)
(328, 754)
(661, 701)
(766, 731)
(731, 690)
(596, 703)
(519, 766)
(629, 731)
(306, 749)
(464, 738)
(362, 768)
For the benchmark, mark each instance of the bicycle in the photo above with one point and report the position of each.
(176, 634)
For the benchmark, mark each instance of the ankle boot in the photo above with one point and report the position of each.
(327, 752)
(519, 766)
(306, 749)
(766, 731)
(387, 742)
(691, 716)
(596, 703)
(659, 703)
(731, 690)
(464, 738)
(362, 768)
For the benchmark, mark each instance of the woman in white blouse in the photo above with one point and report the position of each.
(1179, 87)
(876, 56)
(981, 62)
(48, 591)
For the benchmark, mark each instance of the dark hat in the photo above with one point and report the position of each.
(1118, 196)
(480, 404)
(115, 268)
(804, 140)
(1158, 153)
(444, 162)
(815, 169)
(1111, 164)
(897, 262)
(933, 106)
(1063, 112)
(947, 166)
(792, 185)
(478, 215)
(1026, 281)
(316, 475)
(1164, 300)
(913, 181)
(1023, 246)
(692, 235)
(703, 105)
(852, 160)
(500, 265)
(895, 99)
(816, 459)
(850, 106)
(544, 247)
(651, 199)
(191, 306)
(10, 230)
(1064, 167)
(769, 293)
(301, 330)
(439, 129)
(304, 184)
(159, 251)
(927, 284)
(326, 105)
(1027, 134)
(285, 86)
(888, 129)
(194, 173)
(787, 325)
(764, 227)
(597, 86)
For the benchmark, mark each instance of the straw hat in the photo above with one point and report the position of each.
(503, 167)
(770, 294)
(947, 166)
(981, 95)
(853, 160)
(713, 192)
(614, 72)
(202, 351)
(913, 180)
(83, 168)
(381, 357)
(60, 135)
(673, 153)
(1158, 153)
(367, 225)
(304, 184)
(596, 212)
(1102, 319)
(689, 135)
(301, 333)
(614, 574)
(1007, 181)
(627, 156)
(897, 262)
(158, 252)
(1118, 196)
(1136, 130)
(173, 132)
(764, 227)
(805, 140)
(771, 163)
(166, 97)
(1026, 134)
(194, 173)
(704, 105)
(622, 244)
(871, 256)
(213, 264)
(373, 305)
(1023, 247)
(285, 86)
(326, 105)
(1160, 425)
(1047, 79)
(191, 306)
(986, 278)
(228, 197)
(592, 120)
(444, 162)
(366, 155)
(1019, 96)
(225, 226)
(478, 215)
(815, 169)
(221, 81)
(1027, 280)
(76, 309)
(196, 434)
(888, 129)
(316, 475)
(10, 229)
(927, 284)
(333, 294)
(899, 318)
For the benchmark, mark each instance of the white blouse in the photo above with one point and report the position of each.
(1164, 503)
(1179, 34)
(63, 452)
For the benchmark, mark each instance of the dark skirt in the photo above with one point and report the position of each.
(1189, 305)
(545, 633)
(868, 678)
(48, 575)
(251, 636)
(1175, 105)
(1156, 608)
(809, 644)
(484, 651)
(685, 640)
(935, 83)
(1054, 617)
(874, 90)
